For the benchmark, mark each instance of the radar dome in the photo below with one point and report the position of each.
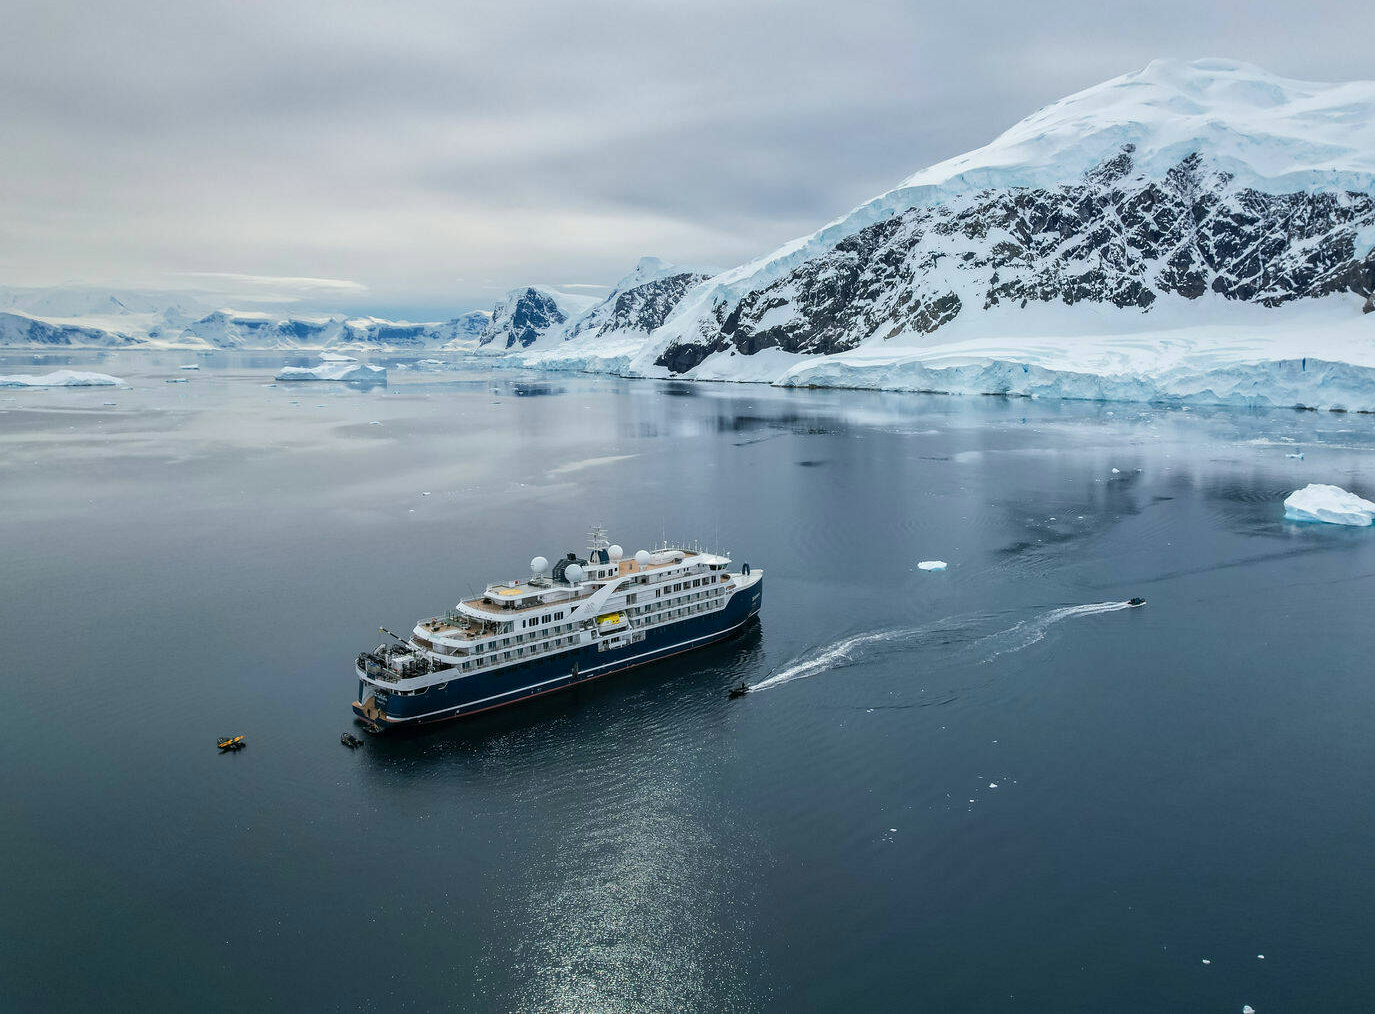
(539, 565)
(615, 552)
(642, 559)
(573, 573)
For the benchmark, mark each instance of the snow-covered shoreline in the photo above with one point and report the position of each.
(1313, 357)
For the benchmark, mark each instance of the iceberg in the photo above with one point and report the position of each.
(349, 371)
(61, 378)
(330, 357)
(1330, 504)
(931, 565)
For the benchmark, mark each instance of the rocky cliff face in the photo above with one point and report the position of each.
(1211, 183)
(1114, 237)
(639, 304)
(522, 318)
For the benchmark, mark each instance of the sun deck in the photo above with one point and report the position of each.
(624, 567)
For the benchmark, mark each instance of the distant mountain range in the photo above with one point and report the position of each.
(1195, 231)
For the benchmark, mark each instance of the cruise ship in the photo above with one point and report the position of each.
(579, 620)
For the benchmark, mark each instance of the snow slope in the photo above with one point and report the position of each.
(528, 314)
(606, 336)
(1181, 232)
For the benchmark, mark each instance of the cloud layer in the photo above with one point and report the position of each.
(417, 157)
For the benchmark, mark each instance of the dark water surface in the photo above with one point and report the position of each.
(1187, 781)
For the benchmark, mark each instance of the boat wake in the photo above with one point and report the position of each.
(943, 634)
(1028, 632)
(833, 656)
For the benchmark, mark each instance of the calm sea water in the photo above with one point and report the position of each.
(987, 788)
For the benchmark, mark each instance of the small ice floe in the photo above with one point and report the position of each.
(1261, 956)
(375, 422)
(1117, 471)
(178, 380)
(190, 366)
(1330, 504)
(349, 371)
(1206, 961)
(61, 378)
(891, 830)
(992, 785)
(1246, 1008)
(931, 565)
(426, 493)
(333, 357)
(1297, 457)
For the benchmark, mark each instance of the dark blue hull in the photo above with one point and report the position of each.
(483, 691)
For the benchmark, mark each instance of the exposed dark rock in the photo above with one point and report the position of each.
(1110, 238)
(640, 308)
(521, 318)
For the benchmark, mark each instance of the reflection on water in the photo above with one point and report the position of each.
(993, 781)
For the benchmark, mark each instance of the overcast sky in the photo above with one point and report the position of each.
(415, 159)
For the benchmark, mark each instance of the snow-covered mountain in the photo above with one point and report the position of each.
(81, 317)
(529, 313)
(1208, 202)
(608, 334)
(638, 304)
(17, 329)
(1199, 230)
(226, 330)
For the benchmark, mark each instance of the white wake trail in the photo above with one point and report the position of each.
(1015, 638)
(831, 656)
(1028, 632)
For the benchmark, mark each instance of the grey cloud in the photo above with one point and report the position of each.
(411, 146)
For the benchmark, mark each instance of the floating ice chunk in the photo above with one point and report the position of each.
(992, 785)
(892, 829)
(1117, 471)
(61, 378)
(1331, 504)
(1299, 455)
(333, 357)
(1206, 961)
(426, 493)
(350, 371)
(932, 565)
(1246, 1008)
(190, 366)
(178, 380)
(375, 422)
(1261, 956)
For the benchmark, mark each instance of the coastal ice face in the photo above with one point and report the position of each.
(61, 378)
(931, 565)
(349, 371)
(1330, 504)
